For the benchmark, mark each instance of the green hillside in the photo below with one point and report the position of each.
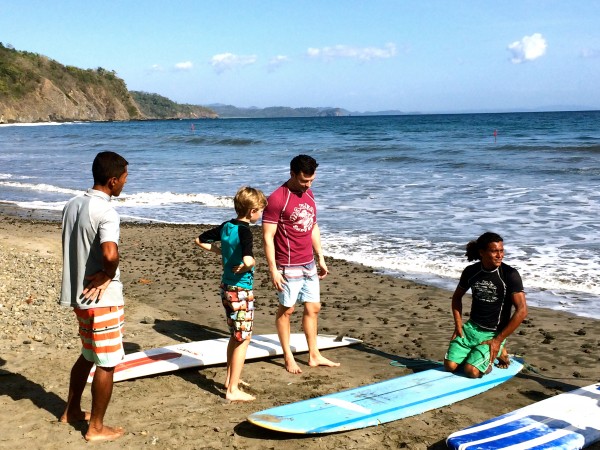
(159, 107)
(22, 72)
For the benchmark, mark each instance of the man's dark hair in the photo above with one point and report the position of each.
(481, 243)
(305, 164)
(107, 165)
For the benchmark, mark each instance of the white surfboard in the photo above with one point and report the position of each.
(566, 421)
(211, 352)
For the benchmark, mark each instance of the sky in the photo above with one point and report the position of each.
(372, 55)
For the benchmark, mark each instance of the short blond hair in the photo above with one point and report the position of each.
(248, 198)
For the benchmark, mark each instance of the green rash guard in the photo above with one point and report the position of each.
(236, 242)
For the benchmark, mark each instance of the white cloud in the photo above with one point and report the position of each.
(186, 65)
(528, 48)
(277, 61)
(156, 68)
(589, 53)
(360, 53)
(228, 61)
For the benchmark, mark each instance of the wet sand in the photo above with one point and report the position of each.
(171, 296)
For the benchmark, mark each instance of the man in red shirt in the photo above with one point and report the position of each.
(291, 234)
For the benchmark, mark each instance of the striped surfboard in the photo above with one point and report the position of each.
(566, 421)
(211, 352)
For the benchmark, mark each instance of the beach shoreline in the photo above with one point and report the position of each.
(171, 296)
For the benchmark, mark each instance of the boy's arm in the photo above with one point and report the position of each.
(208, 246)
(206, 240)
(248, 261)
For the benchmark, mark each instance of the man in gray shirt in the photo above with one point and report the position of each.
(91, 286)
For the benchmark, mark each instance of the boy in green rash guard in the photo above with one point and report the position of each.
(496, 287)
(237, 280)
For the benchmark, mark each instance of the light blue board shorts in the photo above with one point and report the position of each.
(301, 285)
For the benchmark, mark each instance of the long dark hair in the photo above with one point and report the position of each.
(481, 243)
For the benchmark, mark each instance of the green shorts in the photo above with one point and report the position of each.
(467, 349)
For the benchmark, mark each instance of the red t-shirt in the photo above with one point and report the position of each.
(295, 214)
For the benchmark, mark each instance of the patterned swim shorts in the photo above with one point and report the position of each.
(239, 310)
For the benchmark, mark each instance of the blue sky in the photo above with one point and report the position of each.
(372, 55)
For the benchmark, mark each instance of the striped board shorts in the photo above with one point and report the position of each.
(101, 333)
(301, 285)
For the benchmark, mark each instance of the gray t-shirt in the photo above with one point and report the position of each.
(88, 221)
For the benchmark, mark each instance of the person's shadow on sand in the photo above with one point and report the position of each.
(250, 431)
(184, 331)
(197, 378)
(17, 387)
(414, 364)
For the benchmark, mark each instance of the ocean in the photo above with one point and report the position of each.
(403, 194)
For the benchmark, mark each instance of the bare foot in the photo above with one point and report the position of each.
(75, 417)
(291, 366)
(239, 396)
(241, 383)
(321, 361)
(503, 360)
(105, 434)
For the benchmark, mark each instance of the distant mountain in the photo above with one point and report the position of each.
(230, 111)
(159, 107)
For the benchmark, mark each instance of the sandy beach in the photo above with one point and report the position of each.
(171, 297)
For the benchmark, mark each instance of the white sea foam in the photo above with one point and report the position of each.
(41, 187)
(140, 199)
(50, 206)
(153, 199)
(548, 279)
(10, 176)
(37, 124)
(134, 218)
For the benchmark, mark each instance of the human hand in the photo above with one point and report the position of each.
(94, 290)
(457, 331)
(494, 348)
(278, 280)
(241, 268)
(322, 271)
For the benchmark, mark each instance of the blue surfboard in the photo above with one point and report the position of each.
(379, 403)
(567, 421)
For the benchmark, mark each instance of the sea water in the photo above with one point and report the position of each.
(403, 194)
